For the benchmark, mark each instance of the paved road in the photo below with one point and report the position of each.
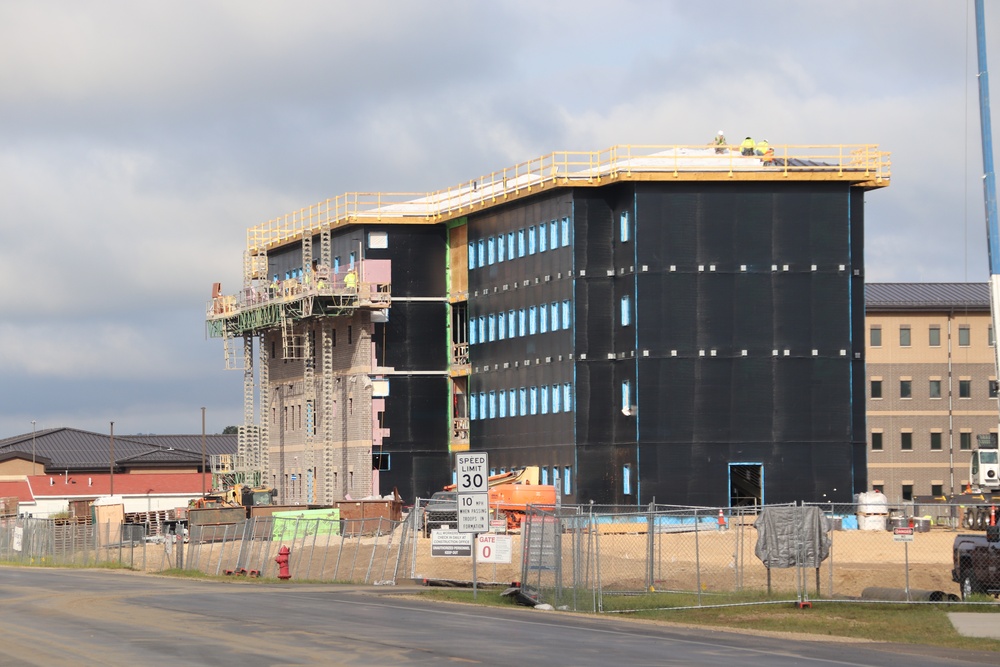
(78, 617)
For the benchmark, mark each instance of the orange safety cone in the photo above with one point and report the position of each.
(722, 521)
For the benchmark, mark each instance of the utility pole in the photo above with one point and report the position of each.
(203, 452)
(112, 489)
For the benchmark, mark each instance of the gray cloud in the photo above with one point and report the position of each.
(138, 141)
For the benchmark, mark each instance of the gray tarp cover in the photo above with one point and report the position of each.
(790, 536)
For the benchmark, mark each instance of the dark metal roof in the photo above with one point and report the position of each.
(72, 449)
(927, 296)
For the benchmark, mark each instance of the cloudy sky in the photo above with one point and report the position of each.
(139, 140)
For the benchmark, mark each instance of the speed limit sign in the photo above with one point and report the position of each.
(472, 484)
(473, 472)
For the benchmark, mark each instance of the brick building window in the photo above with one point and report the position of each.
(935, 388)
(876, 441)
(906, 441)
(875, 336)
(965, 441)
(906, 389)
(934, 336)
(965, 388)
(935, 441)
(964, 336)
(876, 389)
(904, 335)
(907, 492)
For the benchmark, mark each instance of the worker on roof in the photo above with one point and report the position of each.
(765, 152)
(720, 142)
(761, 147)
(747, 147)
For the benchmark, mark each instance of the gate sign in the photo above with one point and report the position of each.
(473, 472)
(493, 548)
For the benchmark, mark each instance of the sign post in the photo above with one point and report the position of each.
(904, 534)
(472, 484)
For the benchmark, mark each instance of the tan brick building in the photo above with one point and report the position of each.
(931, 384)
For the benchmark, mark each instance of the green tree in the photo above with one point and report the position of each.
(230, 430)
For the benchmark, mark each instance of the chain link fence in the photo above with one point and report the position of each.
(594, 558)
(588, 558)
(367, 551)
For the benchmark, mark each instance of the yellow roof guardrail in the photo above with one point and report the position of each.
(862, 165)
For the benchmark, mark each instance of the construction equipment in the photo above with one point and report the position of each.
(980, 500)
(238, 495)
(510, 494)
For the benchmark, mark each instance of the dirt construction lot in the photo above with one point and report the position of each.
(720, 561)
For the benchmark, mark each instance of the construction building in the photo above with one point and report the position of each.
(931, 385)
(665, 323)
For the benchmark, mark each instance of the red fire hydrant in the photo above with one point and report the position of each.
(282, 560)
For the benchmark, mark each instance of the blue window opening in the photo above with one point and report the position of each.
(482, 405)
(520, 243)
(482, 329)
(523, 395)
(473, 404)
(567, 398)
(492, 328)
(481, 253)
(626, 311)
(554, 311)
(501, 245)
(533, 399)
(522, 323)
(511, 324)
(491, 251)
(472, 257)
(545, 474)
(565, 232)
(503, 403)
(513, 402)
(627, 479)
(501, 325)
(624, 227)
(543, 319)
(544, 400)
(472, 331)
(353, 258)
(336, 265)
(555, 398)
(531, 240)
(510, 245)
(626, 397)
(532, 320)
(493, 405)
(565, 314)
(543, 238)
(567, 487)
(553, 235)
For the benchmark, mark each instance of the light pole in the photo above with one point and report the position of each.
(203, 452)
(112, 489)
(32, 446)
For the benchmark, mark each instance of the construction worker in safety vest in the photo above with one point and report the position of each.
(765, 152)
(747, 147)
(351, 280)
(720, 142)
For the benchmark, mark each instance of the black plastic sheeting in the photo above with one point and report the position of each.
(415, 338)
(722, 276)
(535, 360)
